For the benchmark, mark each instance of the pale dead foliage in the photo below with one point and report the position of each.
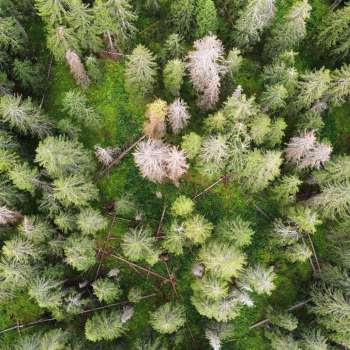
(150, 157)
(77, 68)
(176, 165)
(206, 65)
(8, 216)
(105, 155)
(298, 146)
(178, 115)
(158, 161)
(306, 152)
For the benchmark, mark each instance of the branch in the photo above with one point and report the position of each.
(144, 269)
(46, 320)
(121, 156)
(209, 187)
(161, 221)
(292, 308)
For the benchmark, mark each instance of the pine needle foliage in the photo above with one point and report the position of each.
(168, 318)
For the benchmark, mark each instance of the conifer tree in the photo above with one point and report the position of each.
(274, 97)
(53, 11)
(23, 116)
(12, 37)
(191, 144)
(174, 239)
(173, 47)
(76, 105)
(258, 279)
(20, 250)
(284, 320)
(260, 128)
(313, 86)
(80, 252)
(23, 177)
(197, 229)
(106, 290)
(61, 156)
(168, 318)
(223, 260)
(332, 311)
(77, 68)
(261, 169)
(74, 190)
(150, 157)
(336, 170)
(334, 201)
(46, 292)
(286, 189)
(104, 325)
(138, 244)
(211, 288)
(237, 231)
(298, 253)
(80, 18)
(340, 85)
(154, 126)
(176, 165)
(182, 206)
(90, 221)
(140, 72)
(205, 68)
(115, 19)
(182, 13)
(289, 32)
(335, 34)
(178, 115)
(60, 39)
(173, 75)
(253, 19)
(206, 18)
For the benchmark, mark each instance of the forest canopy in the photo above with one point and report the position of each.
(174, 174)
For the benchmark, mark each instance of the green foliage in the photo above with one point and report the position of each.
(304, 218)
(140, 73)
(106, 290)
(74, 190)
(182, 13)
(284, 320)
(139, 244)
(90, 221)
(211, 288)
(274, 97)
(237, 231)
(104, 325)
(206, 18)
(191, 144)
(23, 116)
(80, 252)
(173, 75)
(334, 36)
(23, 177)
(174, 239)
(168, 318)
(288, 33)
(286, 189)
(223, 260)
(61, 157)
(261, 169)
(182, 206)
(197, 229)
(76, 105)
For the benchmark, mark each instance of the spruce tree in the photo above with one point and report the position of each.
(206, 18)
(140, 72)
